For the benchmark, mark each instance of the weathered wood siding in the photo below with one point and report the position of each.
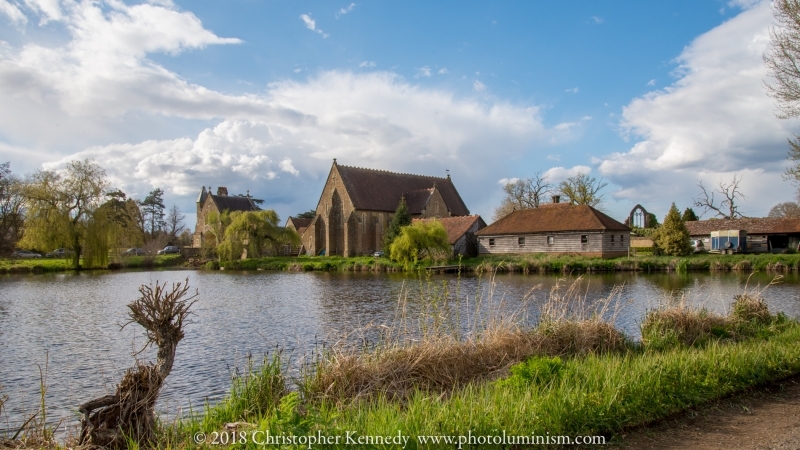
(599, 243)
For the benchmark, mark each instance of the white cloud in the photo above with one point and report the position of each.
(424, 71)
(598, 20)
(367, 64)
(12, 12)
(505, 181)
(553, 157)
(311, 24)
(345, 10)
(572, 90)
(558, 174)
(443, 71)
(651, 82)
(477, 86)
(715, 121)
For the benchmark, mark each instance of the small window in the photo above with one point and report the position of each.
(621, 238)
(491, 242)
(584, 239)
(521, 241)
(612, 238)
(551, 240)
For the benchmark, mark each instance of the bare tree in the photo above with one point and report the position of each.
(727, 208)
(583, 189)
(12, 209)
(175, 224)
(523, 194)
(783, 62)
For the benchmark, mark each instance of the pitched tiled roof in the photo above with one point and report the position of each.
(456, 226)
(766, 225)
(233, 203)
(416, 200)
(379, 190)
(299, 222)
(553, 217)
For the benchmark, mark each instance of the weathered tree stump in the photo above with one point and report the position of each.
(110, 420)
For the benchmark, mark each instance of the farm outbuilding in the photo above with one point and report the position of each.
(767, 234)
(461, 233)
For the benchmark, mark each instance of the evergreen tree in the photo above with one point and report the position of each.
(153, 211)
(672, 237)
(402, 218)
(689, 215)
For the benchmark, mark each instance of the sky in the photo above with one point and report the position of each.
(652, 98)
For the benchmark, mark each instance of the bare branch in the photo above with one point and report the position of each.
(727, 208)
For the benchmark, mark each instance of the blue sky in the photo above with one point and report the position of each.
(652, 97)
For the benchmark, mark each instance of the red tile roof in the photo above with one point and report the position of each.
(553, 217)
(765, 225)
(379, 190)
(456, 226)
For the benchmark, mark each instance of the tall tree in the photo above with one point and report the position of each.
(689, 215)
(672, 237)
(781, 59)
(785, 209)
(582, 189)
(523, 194)
(12, 216)
(727, 208)
(63, 211)
(153, 210)
(258, 232)
(175, 224)
(421, 240)
(402, 218)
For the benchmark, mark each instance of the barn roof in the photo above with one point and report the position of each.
(380, 190)
(553, 217)
(233, 203)
(763, 225)
(455, 226)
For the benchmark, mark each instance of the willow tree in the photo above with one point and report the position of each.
(63, 210)
(423, 239)
(253, 234)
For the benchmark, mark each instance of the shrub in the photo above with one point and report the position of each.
(672, 238)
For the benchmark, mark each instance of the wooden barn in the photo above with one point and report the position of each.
(768, 234)
(558, 228)
(461, 233)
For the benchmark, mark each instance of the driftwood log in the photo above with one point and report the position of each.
(111, 420)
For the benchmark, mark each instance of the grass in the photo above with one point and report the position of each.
(571, 373)
(530, 263)
(42, 265)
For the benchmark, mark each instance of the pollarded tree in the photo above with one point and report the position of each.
(423, 239)
(257, 232)
(63, 210)
(402, 218)
(672, 237)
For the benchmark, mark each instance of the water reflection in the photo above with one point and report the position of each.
(71, 321)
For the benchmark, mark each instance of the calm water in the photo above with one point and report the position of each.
(69, 324)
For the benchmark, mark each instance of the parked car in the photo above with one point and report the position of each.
(133, 252)
(378, 254)
(169, 249)
(59, 253)
(25, 254)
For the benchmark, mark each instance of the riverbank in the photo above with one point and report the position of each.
(534, 263)
(43, 265)
(567, 377)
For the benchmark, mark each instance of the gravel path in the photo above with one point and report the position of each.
(766, 418)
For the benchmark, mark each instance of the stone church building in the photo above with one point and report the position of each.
(357, 205)
(208, 203)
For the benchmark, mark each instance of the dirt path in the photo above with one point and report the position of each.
(767, 418)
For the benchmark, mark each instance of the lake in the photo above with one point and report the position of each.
(68, 325)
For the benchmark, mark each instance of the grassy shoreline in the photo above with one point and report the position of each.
(16, 266)
(537, 263)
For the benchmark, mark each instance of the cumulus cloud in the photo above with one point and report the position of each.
(477, 86)
(423, 72)
(651, 82)
(311, 24)
(345, 10)
(443, 71)
(505, 181)
(558, 174)
(367, 64)
(713, 122)
(12, 12)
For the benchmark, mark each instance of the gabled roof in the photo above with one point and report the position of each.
(299, 222)
(553, 217)
(233, 203)
(765, 225)
(417, 200)
(456, 226)
(379, 190)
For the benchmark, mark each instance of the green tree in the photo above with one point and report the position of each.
(123, 215)
(402, 218)
(257, 232)
(689, 215)
(423, 239)
(310, 214)
(582, 189)
(785, 209)
(672, 237)
(12, 217)
(153, 211)
(64, 211)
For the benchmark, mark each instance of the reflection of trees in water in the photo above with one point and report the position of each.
(674, 283)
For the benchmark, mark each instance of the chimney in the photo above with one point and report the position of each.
(556, 198)
(222, 190)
